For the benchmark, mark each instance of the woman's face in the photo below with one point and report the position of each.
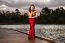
(32, 7)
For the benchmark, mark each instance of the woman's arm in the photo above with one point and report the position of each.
(27, 13)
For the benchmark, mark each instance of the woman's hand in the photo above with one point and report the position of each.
(35, 14)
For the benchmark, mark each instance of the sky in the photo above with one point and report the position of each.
(23, 5)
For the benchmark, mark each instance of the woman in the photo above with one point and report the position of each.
(32, 14)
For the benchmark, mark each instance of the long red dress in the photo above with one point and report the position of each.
(32, 22)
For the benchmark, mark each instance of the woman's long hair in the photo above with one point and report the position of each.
(30, 8)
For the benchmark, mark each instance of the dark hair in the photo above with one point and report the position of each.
(30, 7)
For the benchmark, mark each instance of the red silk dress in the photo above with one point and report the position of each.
(32, 22)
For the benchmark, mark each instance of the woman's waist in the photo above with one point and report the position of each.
(32, 18)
